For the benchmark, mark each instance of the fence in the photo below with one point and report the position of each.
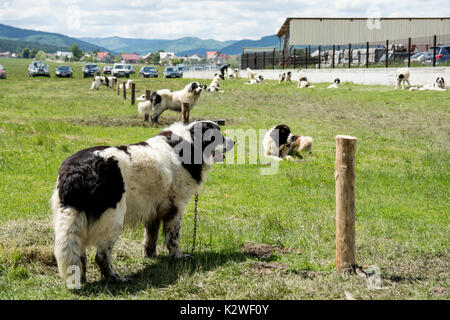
(409, 52)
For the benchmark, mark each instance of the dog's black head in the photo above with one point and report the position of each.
(337, 80)
(204, 86)
(401, 76)
(303, 79)
(195, 88)
(280, 134)
(260, 78)
(440, 81)
(289, 73)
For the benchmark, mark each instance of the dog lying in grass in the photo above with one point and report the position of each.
(99, 80)
(336, 84)
(285, 76)
(101, 189)
(280, 144)
(215, 83)
(438, 85)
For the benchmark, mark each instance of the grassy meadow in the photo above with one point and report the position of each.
(402, 192)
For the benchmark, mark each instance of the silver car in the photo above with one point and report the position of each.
(38, 68)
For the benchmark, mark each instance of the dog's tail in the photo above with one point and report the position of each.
(69, 225)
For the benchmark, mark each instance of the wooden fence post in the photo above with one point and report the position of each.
(409, 52)
(124, 91)
(319, 56)
(133, 93)
(334, 54)
(349, 55)
(367, 54)
(434, 50)
(345, 202)
(306, 58)
(387, 53)
(147, 97)
(118, 87)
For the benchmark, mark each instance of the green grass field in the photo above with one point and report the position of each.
(402, 192)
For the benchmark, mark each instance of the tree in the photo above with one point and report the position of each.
(26, 53)
(76, 51)
(33, 53)
(41, 55)
(155, 57)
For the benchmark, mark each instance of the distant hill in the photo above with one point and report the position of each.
(144, 46)
(236, 47)
(45, 38)
(16, 46)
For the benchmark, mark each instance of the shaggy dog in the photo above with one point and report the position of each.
(127, 84)
(234, 75)
(402, 77)
(303, 81)
(144, 108)
(280, 144)
(252, 75)
(215, 83)
(165, 99)
(259, 79)
(438, 85)
(101, 189)
(336, 84)
(285, 76)
(99, 80)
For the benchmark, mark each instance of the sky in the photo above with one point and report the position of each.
(173, 19)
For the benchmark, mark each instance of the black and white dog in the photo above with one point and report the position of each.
(285, 76)
(99, 80)
(165, 99)
(402, 77)
(336, 84)
(215, 83)
(101, 189)
(280, 144)
(438, 85)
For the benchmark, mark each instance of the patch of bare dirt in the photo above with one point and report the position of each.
(265, 251)
(265, 268)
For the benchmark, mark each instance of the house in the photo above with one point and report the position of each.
(64, 54)
(211, 54)
(6, 54)
(104, 57)
(194, 58)
(166, 56)
(148, 57)
(217, 58)
(130, 57)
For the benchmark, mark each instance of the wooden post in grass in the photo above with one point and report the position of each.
(133, 93)
(118, 87)
(147, 97)
(345, 202)
(124, 91)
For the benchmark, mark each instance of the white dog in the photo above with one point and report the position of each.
(101, 189)
(99, 80)
(336, 84)
(234, 74)
(215, 83)
(127, 84)
(402, 77)
(285, 76)
(165, 99)
(438, 85)
(259, 79)
(252, 75)
(145, 108)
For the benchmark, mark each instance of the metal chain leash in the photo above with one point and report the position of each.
(195, 223)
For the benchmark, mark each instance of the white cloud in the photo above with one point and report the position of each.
(221, 20)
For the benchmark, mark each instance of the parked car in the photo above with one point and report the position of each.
(2, 72)
(417, 57)
(394, 57)
(64, 71)
(107, 69)
(148, 72)
(180, 69)
(38, 68)
(442, 54)
(130, 69)
(171, 72)
(90, 69)
(120, 70)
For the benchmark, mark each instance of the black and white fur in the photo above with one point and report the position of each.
(99, 80)
(280, 144)
(234, 74)
(336, 84)
(402, 77)
(165, 99)
(102, 189)
(215, 83)
(438, 85)
(259, 79)
(303, 81)
(285, 76)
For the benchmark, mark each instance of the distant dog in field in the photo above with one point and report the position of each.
(303, 81)
(402, 77)
(102, 189)
(252, 75)
(438, 85)
(99, 80)
(165, 99)
(285, 76)
(215, 83)
(259, 79)
(336, 84)
(280, 144)
(127, 84)
(234, 74)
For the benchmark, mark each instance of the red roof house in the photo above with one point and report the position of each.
(130, 57)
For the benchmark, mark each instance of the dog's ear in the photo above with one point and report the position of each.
(194, 85)
(281, 134)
